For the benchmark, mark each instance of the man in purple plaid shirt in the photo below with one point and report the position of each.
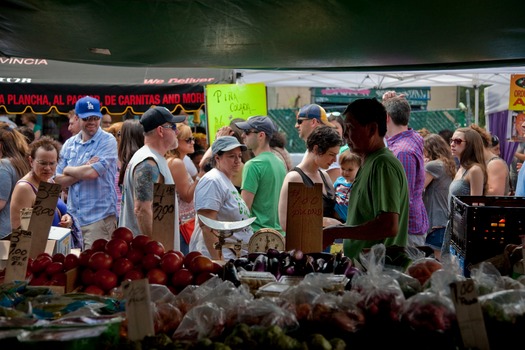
(407, 146)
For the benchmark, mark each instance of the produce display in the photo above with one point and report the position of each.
(276, 299)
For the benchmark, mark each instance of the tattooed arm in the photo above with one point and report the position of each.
(145, 175)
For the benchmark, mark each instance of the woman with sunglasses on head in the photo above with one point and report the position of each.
(185, 185)
(471, 178)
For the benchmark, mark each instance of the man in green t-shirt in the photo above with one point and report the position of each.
(263, 175)
(378, 206)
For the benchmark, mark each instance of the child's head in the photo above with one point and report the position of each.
(350, 163)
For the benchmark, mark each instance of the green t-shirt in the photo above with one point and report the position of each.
(264, 176)
(380, 186)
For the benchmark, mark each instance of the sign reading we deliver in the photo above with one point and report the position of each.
(225, 102)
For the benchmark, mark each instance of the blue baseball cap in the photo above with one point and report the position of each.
(88, 106)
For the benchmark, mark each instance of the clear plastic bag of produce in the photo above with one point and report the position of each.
(430, 312)
(302, 299)
(421, 269)
(202, 321)
(339, 311)
(488, 279)
(382, 295)
(166, 317)
(265, 312)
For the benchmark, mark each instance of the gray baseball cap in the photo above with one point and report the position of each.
(225, 144)
(259, 123)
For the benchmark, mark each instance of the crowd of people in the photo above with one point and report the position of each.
(382, 182)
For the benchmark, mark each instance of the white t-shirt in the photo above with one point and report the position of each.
(216, 192)
(190, 167)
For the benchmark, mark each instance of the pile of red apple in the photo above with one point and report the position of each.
(108, 263)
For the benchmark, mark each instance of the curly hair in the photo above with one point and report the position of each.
(485, 135)
(324, 137)
(47, 143)
(437, 149)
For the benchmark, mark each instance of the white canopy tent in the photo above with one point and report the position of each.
(472, 78)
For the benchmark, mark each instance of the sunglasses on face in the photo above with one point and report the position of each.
(170, 126)
(457, 141)
(300, 121)
(190, 140)
(91, 119)
(248, 132)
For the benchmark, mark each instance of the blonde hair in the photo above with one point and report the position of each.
(350, 157)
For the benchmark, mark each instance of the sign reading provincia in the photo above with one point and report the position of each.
(225, 102)
(43, 86)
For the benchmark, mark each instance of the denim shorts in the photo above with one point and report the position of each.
(435, 238)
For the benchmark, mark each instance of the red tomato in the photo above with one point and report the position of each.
(203, 277)
(39, 280)
(157, 276)
(217, 268)
(178, 252)
(105, 280)
(59, 279)
(135, 255)
(99, 245)
(154, 247)
(54, 267)
(59, 257)
(117, 248)
(182, 278)
(92, 289)
(70, 261)
(201, 263)
(133, 275)
(44, 255)
(170, 262)
(87, 277)
(83, 258)
(189, 257)
(150, 261)
(41, 262)
(121, 266)
(139, 242)
(100, 261)
(123, 233)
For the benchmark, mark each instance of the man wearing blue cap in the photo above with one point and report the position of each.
(88, 166)
(147, 167)
(263, 175)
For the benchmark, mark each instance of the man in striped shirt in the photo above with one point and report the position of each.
(407, 146)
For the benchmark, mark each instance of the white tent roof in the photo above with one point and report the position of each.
(379, 80)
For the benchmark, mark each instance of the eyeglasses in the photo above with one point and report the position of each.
(91, 119)
(248, 132)
(300, 121)
(44, 164)
(457, 141)
(190, 140)
(170, 126)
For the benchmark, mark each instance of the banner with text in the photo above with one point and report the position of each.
(114, 99)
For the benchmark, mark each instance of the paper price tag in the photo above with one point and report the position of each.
(165, 211)
(42, 215)
(18, 256)
(138, 309)
(469, 315)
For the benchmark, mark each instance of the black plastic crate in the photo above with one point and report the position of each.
(483, 225)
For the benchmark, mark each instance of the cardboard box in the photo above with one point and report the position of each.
(59, 241)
